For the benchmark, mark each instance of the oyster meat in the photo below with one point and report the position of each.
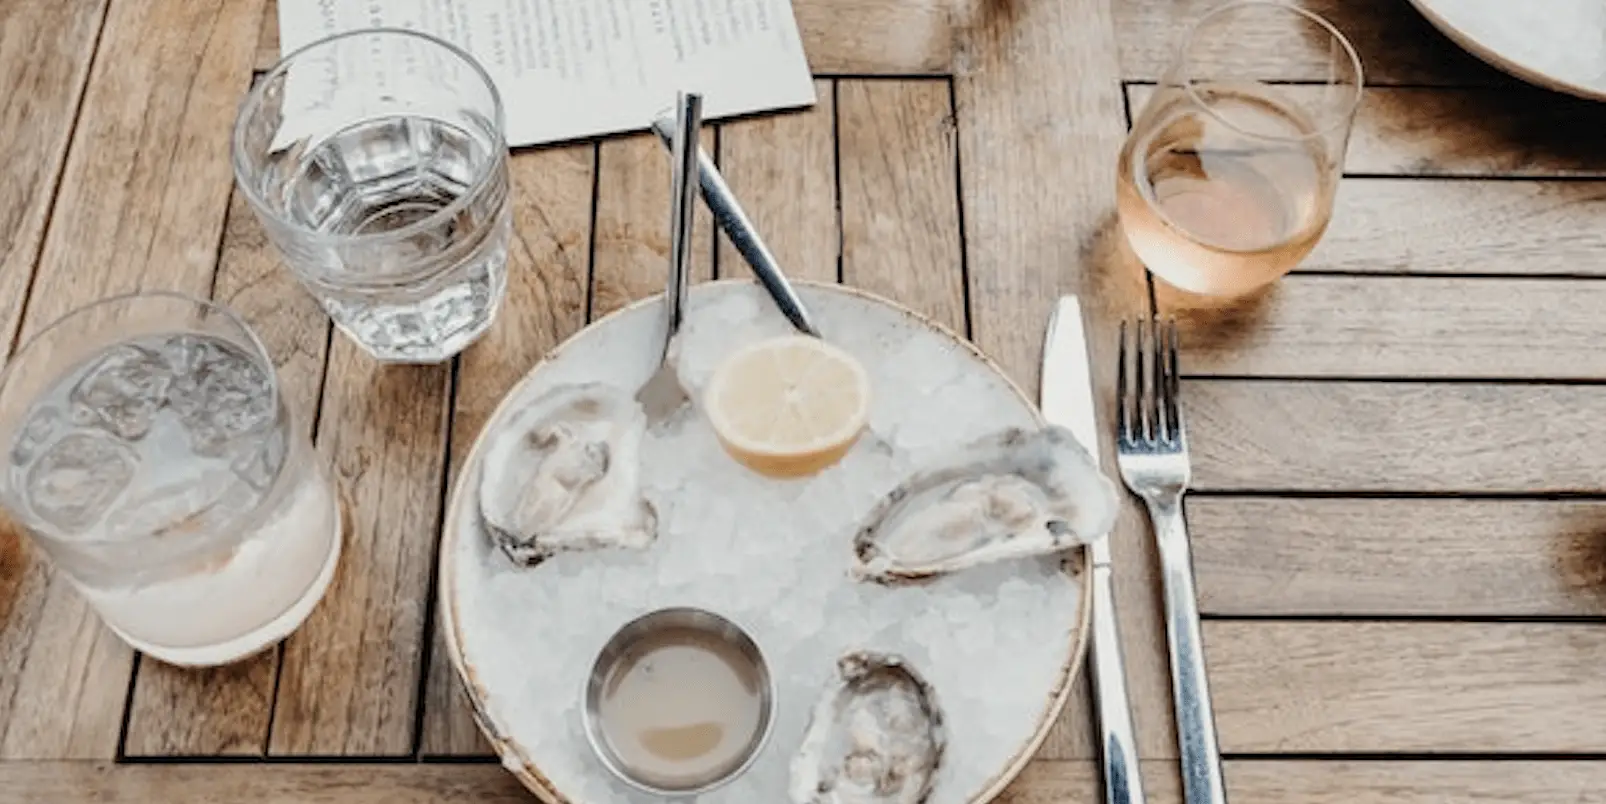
(874, 737)
(1016, 493)
(564, 473)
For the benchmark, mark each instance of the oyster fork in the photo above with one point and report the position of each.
(662, 395)
(1152, 453)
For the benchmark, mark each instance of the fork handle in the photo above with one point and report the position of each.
(1202, 781)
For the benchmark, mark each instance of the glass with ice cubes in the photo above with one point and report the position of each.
(377, 164)
(151, 456)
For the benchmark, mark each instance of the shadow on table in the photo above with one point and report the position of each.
(1460, 115)
(1397, 45)
(1518, 131)
(1116, 279)
(1581, 557)
(16, 564)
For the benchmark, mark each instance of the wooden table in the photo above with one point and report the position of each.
(1401, 545)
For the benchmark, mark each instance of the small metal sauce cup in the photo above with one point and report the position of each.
(619, 645)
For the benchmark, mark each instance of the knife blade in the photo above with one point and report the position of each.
(1066, 399)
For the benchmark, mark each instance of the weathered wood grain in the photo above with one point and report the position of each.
(1375, 687)
(1337, 782)
(1396, 45)
(1518, 131)
(546, 302)
(1044, 782)
(1343, 326)
(851, 36)
(267, 51)
(839, 36)
(900, 196)
(141, 204)
(349, 681)
(1399, 557)
(630, 258)
(783, 170)
(45, 52)
(1454, 226)
(226, 711)
(1345, 782)
(1396, 436)
(1040, 120)
(380, 783)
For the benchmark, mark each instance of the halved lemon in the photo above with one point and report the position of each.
(788, 407)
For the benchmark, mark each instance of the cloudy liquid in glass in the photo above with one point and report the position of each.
(158, 448)
(1223, 209)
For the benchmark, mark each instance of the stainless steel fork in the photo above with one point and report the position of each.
(1152, 452)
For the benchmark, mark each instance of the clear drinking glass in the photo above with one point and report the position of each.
(149, 454)
(377, 163)
(1226, 181)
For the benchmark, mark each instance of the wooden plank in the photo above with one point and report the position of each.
(379, 783)
(1440, 687)
(1253, 435)
(45, 51)
(839, 36)
(226, 711)
(631, 259)
(1043, 782)
(783, 169)
(1040, 121)
(900, 196)
(1520, 131)
(148, 175)
(546, 302)
(1346, 782)
(1396, 45)
(1453, 226)
(349, 684)
(1342, 326)
(267, 53)
(1398, 557)
(891, 37)
(1338, 782)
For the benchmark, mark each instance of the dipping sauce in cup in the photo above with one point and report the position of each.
(679, 702)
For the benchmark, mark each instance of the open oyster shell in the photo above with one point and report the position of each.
(1012, 494)
(564, 473)
(874, 737)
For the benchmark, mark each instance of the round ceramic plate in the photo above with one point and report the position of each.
(1558, 44)
(998, 643)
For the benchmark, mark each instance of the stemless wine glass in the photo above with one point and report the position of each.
(149, 453)
(377, 163)
(1227, 180)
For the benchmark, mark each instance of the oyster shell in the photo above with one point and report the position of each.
(1008, 495)
(874, 737)
(564, 473)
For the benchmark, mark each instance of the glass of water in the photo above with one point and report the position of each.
(377, 163)
(148, 452)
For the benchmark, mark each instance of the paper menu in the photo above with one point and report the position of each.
(568, 69)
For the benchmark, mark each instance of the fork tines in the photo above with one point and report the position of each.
(1148, 411)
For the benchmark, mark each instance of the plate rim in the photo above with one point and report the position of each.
(513, 757)
(1494, 58)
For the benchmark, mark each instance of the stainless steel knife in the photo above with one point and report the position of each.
(1066, 399)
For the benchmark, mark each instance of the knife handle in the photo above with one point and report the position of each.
(1123, 784)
